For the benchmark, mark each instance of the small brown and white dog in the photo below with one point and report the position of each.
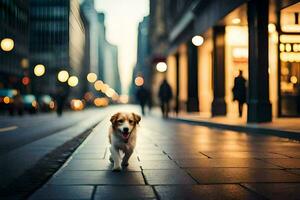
(122, 136)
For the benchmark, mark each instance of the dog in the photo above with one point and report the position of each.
(122, 136)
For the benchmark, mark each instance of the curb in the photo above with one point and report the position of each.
(294, 135)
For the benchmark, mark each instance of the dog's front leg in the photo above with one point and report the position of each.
(126, 157)
(116, 157)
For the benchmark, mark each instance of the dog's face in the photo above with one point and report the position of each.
(124, 123)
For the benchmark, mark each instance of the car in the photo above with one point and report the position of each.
(46, 103)
(30, 103)
(7, 100)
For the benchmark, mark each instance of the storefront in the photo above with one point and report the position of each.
(259, 38)
(289, 61)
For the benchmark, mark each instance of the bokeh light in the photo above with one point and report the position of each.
(25, 80)
(161, 67)
(39, 70)
(236, 21)
(294, 79)
(139, 81)
(73, 81)
(98, 85)
(101, 102)
(7, 44)
(63, 76)
(6, 100)
(197, 40)
(76, 104)
(110, 92)
(91, 77)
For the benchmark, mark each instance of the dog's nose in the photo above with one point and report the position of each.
(125, 129)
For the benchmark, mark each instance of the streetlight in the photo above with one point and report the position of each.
(73, 81)
(39, 70)
(7, 44)
(161, 67)
(63, 76)
(236, 21)
(91, 77)
(197, 40)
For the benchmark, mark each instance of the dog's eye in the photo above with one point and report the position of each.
(120, 121)
(130, 121)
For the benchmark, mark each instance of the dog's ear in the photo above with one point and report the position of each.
(136, 117)
(114, 118)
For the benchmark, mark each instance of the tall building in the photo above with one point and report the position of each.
(57, 39)
(111, 69)
(143, 65)
(14, 21)
(94, 58)
(103, 56)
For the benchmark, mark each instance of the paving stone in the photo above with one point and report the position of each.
(237, 162)
(294, 171)
(153, 157)
(124, 192)
(195, 192)
(63, 192)
(150, 152)
(240, 175)
(285, 162)
(276, 191)
(98, 165)
(98, 178)
(88, 156)
(243, 155)
(167, 177)
(163, 164)
(177, 156)
(293, 154)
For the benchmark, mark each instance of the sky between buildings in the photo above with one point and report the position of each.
(122, 18)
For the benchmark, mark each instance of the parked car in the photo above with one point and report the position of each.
(30, 103)
(46, 103)
(7, 101)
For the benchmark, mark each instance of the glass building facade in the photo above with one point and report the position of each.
(56, 41)
(14, 21)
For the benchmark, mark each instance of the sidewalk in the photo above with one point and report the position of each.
(179, 161)
(282, 127)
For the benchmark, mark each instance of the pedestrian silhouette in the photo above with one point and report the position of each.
(239, 91)
(165, 95)
(61, 96)
(142, 96)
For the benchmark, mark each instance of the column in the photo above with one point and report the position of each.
(193, 100)
(177, 107)
(218, 107)
(259, 106)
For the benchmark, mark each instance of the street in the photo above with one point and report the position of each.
(18, 131)
(176, 160)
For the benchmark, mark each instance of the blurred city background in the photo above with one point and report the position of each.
(67, 65)
(91, 53)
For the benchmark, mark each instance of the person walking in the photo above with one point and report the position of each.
(239, 91)
(165, 95)
(61, 97)
(142, 96)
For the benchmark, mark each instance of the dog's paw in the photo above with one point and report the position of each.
(125, 164)
(111, 159)
(117, 169)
